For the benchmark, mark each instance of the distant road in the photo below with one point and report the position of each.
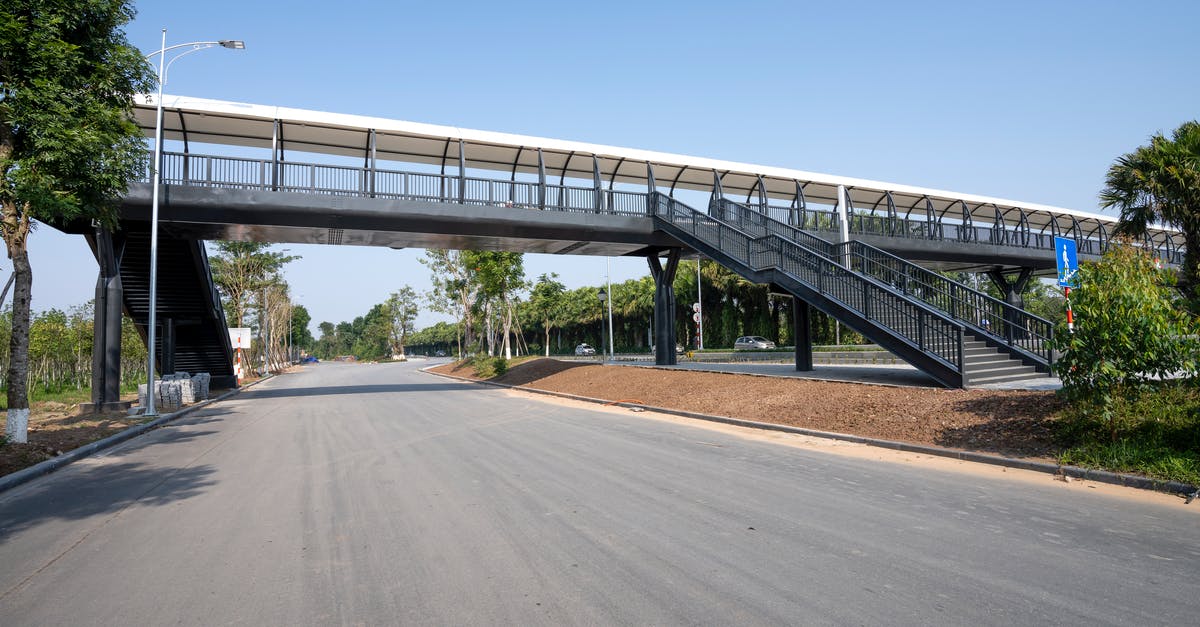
(376, 494)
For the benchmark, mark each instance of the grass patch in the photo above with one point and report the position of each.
(64, 396)
(1154, 431)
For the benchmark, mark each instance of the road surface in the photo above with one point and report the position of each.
(377, 494)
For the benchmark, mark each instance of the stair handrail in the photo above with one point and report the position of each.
(947, 348)
(1015, 323)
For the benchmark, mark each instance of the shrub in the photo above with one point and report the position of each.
(1131, 330)
(482, 364)
(499, 366)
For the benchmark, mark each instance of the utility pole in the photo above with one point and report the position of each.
(608, 285)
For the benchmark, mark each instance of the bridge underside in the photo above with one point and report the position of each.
(200, 213)
(299, 218)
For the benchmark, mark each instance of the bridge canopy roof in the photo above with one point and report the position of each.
(198, 120)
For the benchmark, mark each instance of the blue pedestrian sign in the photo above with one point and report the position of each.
(1068, 261)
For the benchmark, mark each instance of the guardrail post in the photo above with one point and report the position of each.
(921, 329)
(953, 300)
(866, 296)
(962, 364)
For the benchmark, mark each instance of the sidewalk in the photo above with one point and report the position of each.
(899, 375)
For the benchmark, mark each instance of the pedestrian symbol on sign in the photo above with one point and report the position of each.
(1068, 261)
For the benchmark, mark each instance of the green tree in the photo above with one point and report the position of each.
(548, 304)
(371, 334)
(401, 311)
(498, 277)
(327, 345)
(242, 269)
(1130, 330)
(68, 143)
(301, 336)
(1160, 182)
(455, 290)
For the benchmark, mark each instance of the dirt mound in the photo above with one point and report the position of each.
(1014, 423)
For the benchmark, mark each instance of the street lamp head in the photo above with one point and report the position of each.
(235, 44)
(603, 295)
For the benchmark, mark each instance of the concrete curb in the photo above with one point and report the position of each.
(1190, 492)
(12, 480)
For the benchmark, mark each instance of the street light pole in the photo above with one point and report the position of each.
(156, 181)
(607, 272)
(603, 296)
(699, 309)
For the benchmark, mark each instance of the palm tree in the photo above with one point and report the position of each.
(1157, 183)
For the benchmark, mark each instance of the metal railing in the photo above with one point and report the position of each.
(1005, 323)
(923, 328)
(244, 173)
(313, 178)
(862, 223)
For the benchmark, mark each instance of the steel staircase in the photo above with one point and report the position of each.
(1008, 343)
(918, 315)
(190, 317)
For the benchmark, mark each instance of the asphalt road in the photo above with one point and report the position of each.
(377, 495)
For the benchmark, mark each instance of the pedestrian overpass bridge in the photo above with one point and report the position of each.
(859, 250)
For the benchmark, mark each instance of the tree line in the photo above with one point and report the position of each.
(60, 350)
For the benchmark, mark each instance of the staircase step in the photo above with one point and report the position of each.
(999, 371)
(977, 381)
(981, 361)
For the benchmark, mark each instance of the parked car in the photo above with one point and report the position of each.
(752, 342)
(679, 349)
(584, 349)
(440, 354)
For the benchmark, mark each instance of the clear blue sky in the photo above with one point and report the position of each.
(1030, 101)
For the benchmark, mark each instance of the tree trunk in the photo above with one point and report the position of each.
(547, 323)
(16, 231)
(507, 328)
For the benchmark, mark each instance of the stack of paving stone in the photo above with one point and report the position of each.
(175, 390)
(200, 384)
(167, 395)
(187, 388)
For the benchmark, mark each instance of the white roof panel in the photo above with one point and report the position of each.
(223, 122)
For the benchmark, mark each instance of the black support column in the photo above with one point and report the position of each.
(106, 343)
(166, 355)
(1012, 290)
(802, 319)
(664, 307)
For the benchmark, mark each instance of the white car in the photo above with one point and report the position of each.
(752, 342)
(584, 349)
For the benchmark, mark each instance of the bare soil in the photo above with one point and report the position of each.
(1008, 422)
(55, 428)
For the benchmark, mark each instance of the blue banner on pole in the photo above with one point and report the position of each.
(1067, 257)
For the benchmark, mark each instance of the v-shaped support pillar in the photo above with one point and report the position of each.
(110, 302)
(664, 307)
(1012, 289)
